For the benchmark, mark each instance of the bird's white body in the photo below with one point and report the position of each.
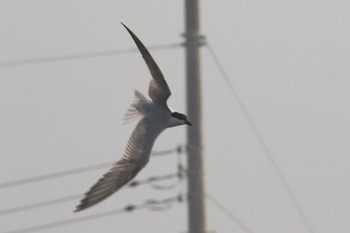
(154, 119)
(155, 116)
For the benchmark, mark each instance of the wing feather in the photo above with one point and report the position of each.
(135, 157)
(158, 88)
(112, 181)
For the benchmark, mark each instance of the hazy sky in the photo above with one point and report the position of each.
(288, 60)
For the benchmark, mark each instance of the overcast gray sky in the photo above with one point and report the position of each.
(288, 60)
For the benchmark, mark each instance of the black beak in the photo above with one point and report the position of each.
(188, 123)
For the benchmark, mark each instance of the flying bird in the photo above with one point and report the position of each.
(155, 116)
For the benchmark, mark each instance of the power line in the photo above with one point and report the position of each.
(69, 198)
(55, 175)
(164, 187)
(35, 179)
(79, 56)
(261, 140)
(153, 179)
(179, 149)
(37, 205)
(151, 204)
(224, 210)
(165, 204)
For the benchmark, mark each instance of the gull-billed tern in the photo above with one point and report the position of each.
(155, 116)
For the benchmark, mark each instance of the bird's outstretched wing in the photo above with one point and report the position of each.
(117, 177)
(135, 157)
(158, 88)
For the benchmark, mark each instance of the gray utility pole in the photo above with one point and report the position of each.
(196, 209)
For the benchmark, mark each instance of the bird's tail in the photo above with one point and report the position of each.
(133, 112)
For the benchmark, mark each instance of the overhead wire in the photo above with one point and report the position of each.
(79, 56)
(54, 175)
(227, 212)
(73, 197)
(164, 187)
(165, 204)
(150, 204)
(260, 139)
(79, 170)
(37, 205)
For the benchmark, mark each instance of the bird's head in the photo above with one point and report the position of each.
(178, 119)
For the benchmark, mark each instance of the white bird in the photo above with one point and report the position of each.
(155, 118)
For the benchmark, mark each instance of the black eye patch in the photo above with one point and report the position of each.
(179, 115)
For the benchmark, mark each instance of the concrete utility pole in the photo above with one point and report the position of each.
(196, 208)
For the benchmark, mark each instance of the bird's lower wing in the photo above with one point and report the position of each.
(117, 177)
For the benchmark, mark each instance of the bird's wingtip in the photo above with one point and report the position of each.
(77, 209)
(124, 26)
